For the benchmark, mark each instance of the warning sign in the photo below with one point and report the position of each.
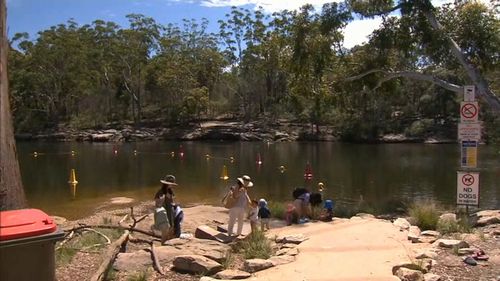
(469, 154)
(469, 93)
(467, 188)
(469, 131)
(469, 111)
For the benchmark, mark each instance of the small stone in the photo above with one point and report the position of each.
(488, 217)
(293, 252)
(288, 245)
(450, 243)
(279, 260)
(365, 216)
(448, 217)
(231, 274)
(426, 239)
(196, 264)
(254, 265)
(431, 233)
(470, 261)
(406, 265)
(466, 251)
(294, 239)
(431, 277)
(409, 274)
(426, 254)
(402, 223)
(413, 233)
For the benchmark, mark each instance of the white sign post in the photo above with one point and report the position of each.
(468, 188)
(469, 93)
(469, 134)
(469, 131)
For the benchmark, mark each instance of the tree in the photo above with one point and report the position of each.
(11, 188)
(423, 10)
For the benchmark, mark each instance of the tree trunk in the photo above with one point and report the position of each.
(484, 90)
(11, 188)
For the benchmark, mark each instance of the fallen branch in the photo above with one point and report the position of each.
(109, 257)
(66, 239)
(123, 219)
(156, 262)
(108, 241)
(122, 227)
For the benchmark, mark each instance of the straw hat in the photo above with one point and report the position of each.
(168, 179)
(247, 181)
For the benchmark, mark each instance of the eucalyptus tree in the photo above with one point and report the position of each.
(316, 39)
(429, 29)
(11, 187)
(52, 73)
(184, 73)
(138, 44)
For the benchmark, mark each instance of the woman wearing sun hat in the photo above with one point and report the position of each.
(165, 198)
(237, 212)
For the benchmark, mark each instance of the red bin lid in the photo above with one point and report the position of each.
(25, 223)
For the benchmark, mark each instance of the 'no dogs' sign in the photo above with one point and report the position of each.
(467, 188)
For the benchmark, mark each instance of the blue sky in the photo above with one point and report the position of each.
(35, 15)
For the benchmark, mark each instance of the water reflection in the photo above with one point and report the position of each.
(374, 173)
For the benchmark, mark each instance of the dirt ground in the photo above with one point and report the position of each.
(449, 265)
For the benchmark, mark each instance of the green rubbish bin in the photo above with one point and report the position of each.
(27, 239)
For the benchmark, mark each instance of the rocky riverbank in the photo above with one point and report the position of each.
(282, 131)
(393, 249)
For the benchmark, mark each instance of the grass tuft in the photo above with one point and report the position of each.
(228, 259)
(278, 209)
(140, 276)
(64, 255)
(256, 246)
(424, 214)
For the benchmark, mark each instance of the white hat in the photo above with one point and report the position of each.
(168, 179)
(247, 181)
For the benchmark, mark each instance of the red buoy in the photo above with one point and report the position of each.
(308, 174)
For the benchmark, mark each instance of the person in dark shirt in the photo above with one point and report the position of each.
(264, 214)
(165, 198)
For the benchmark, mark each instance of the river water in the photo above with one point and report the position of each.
(352, 173)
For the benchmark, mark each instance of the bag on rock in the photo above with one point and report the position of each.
(161, 217)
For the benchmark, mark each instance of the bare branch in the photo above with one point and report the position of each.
(408, 74)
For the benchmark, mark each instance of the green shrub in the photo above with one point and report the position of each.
(419, 128)
(140, 276)
(278, 209)
(256, 246)
(424, 214)
(448, 226)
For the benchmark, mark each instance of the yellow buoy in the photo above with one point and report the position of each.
(282, 169)
(72, 177)
(321, 187)
(73, 190)
(224, 175)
